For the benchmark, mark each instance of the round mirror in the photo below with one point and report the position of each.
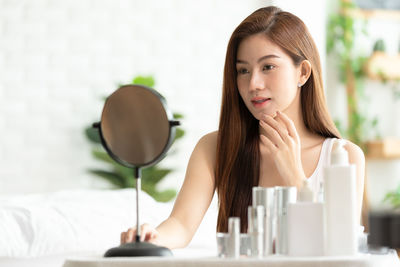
(136, 127)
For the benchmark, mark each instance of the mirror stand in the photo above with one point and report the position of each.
(136, 130)
(138, 248)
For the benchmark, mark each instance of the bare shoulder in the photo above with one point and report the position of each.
(209, 140)
(207, 146)
(356, 155)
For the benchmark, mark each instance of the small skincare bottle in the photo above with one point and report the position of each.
(340, 203)
(284, 195)
(265, 196)
(234, 237)
(306, 224)
(256, 219)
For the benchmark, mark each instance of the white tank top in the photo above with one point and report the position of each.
(317, 178)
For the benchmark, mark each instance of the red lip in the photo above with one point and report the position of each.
(260, 101)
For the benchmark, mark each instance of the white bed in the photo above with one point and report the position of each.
(75, 228)
(45, 229)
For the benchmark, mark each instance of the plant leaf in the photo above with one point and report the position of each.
(154, 175)
(144, 80)
(102, 155)
(93, 135)
(165, 196)
(179, 133)
(111, 177)
(177, 115)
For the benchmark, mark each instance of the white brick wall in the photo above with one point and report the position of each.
(59, 58)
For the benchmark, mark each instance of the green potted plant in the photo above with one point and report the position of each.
(393, 198)
(341, 41)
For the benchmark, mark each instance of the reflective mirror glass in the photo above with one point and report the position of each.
(135, 126)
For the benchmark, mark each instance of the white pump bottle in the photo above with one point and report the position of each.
(340, 203)
(306, 225)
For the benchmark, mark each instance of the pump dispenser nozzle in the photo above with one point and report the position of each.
(339, 153)
(306, 194)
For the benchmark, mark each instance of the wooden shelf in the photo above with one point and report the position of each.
(382, 66)
(385, 14)
(387, 149)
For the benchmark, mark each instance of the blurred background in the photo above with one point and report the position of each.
(60, 59)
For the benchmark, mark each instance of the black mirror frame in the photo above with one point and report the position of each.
(171, 133)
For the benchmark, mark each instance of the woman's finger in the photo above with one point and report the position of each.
(154, 235)
(268, 144)
(130, 234)
(289, 140)
(123, 238)
(280, 127)
(290, 126)
(146, 232)
(271, 133)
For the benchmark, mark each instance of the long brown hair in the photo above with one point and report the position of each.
(238, 153)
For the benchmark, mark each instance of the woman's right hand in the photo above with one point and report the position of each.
(147, 233)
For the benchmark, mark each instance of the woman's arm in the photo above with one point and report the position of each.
(194, 197)
(192, 202)
(356, 157)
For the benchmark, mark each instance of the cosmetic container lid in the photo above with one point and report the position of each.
(305, 193)
(339, 154)
(284, 195)
(264, 196)
(234, 225)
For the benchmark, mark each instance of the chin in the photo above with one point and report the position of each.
(259, 114)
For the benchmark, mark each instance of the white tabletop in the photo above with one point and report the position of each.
(361, 260)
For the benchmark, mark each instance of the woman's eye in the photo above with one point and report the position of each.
(242, 71)
(268, 67)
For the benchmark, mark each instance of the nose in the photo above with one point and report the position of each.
(257, 82)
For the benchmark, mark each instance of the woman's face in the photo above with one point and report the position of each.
(266, 77)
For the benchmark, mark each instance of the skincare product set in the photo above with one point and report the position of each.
(283, 221)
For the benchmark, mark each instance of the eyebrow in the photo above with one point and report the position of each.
(259, 60)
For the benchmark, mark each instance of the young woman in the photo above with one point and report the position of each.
(274, 128)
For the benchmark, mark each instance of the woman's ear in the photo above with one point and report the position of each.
(305, 71)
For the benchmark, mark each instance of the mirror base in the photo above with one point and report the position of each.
(138, 249)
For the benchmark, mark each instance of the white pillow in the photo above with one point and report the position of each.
(72, 221)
